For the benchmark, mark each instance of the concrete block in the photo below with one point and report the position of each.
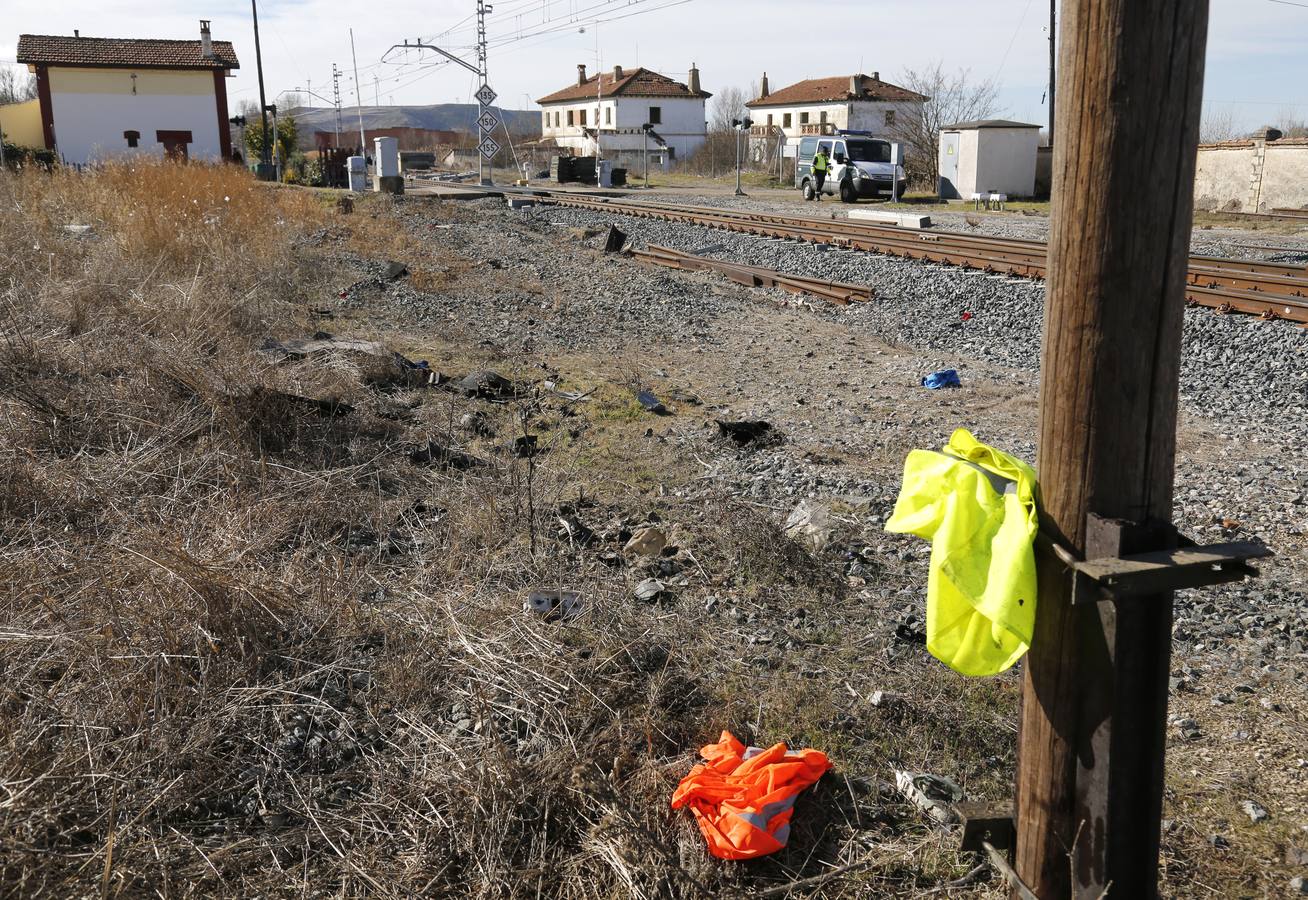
(388, 184)
(520, 202)
(902, 220)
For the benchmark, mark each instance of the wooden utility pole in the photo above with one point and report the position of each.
(1090, 766)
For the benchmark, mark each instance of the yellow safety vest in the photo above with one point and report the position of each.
(820, 163)
(978, 507)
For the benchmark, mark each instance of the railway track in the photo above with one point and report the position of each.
(1268, 289)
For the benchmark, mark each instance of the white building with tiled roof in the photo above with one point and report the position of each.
(825, 105)
(101, 98)
(611, 108)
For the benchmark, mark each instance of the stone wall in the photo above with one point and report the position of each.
(1252, 176)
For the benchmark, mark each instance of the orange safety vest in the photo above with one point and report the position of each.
(743, 797)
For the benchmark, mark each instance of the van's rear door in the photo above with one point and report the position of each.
(804, 161)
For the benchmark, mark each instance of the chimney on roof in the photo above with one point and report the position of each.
(693, 81)
(617, 73)
(77, 33)
(206, 44)
(856, 85)
(581, 73)
(763, 86)
(876, 76)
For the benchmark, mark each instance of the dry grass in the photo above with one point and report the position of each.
(251, 650)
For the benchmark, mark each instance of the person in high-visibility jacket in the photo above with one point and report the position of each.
(820, 166)
(978, 507)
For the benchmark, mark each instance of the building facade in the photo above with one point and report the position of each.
(102, 98)
(826, 105)
(608, 112)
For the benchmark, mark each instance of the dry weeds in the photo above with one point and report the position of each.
(249, 649)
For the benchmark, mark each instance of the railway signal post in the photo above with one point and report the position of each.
(1090, 766)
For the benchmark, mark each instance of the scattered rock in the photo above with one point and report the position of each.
(1255, 811)
(1299, 885)
(810, 524)
(1296, 856)
(1218, 842)
(395, 270)
(648, 541)
(650, 590)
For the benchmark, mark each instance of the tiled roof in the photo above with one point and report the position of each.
(140, 53)
(638, 82)
(836, 90)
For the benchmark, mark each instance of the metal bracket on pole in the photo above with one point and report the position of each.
(1158, 572)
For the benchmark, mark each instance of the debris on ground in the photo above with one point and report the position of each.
(395, 270)
(650, 403)
(1255, 811)
(745, 433)
(554, 604)
(433, 454)
(475, 422)
(743, 797)
(933, 794)
(614, 240)
(648, 541)
(488, 385)
(810, 524)
(524, 446)
(573, 530)
(945, 378)
(327, 407)
(382, 367)
(650, 590)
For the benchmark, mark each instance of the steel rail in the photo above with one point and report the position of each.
(1271, 290)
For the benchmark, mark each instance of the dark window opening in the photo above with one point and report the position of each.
(785, 120)
(569, 117)
(133, 137)
(656, 115)
(174, 143)
(803, 118)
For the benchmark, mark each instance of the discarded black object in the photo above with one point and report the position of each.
(488, 385)
(524, 447)
(908, 634)
(574, 531)
(433, 454)
(554, 604)
(476, 423)
(395, 270)
(651, 403)
(613, 243)
(746, 432)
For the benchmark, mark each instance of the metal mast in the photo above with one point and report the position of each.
(483, 133)
(336, 92)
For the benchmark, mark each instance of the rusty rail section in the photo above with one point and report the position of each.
(1268, 289)
(756, 276)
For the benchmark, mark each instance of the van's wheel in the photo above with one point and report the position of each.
(847, 192)
(808, 190)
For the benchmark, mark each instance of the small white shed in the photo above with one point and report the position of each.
(991, 156)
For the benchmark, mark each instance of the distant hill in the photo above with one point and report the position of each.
(439, 117)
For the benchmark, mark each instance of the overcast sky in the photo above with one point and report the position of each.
(1257, 50)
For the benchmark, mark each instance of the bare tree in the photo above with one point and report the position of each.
(718, 155)
(952, 97)
(16, 86)
(1291, 123)
(1217, 126)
